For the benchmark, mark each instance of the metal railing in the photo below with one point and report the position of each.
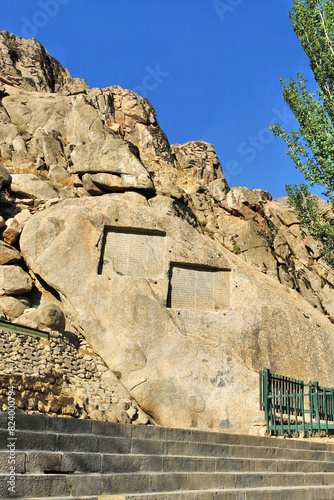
(292, 406)
(24, 330)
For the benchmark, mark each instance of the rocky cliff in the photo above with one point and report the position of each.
(180, 284)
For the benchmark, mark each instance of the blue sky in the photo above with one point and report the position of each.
(210, 68)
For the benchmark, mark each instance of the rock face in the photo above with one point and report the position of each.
(185, 323)
(184, 286)
(26, 63)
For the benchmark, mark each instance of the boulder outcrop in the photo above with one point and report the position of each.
(183, 286)
(186, 323)
(27, 64)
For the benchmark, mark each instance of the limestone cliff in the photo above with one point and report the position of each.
(184, 286)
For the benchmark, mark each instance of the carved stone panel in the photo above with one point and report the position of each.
(199, 288)
(133, 253)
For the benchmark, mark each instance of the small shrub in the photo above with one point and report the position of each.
(236, 249)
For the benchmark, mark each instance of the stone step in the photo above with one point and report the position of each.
(60, 498)
(286, 493)
(296, 493)
(90, 427)
(70, 462)
(64, 498)
(53, 485)
(91, 443)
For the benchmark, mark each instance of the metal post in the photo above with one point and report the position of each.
(266, 376)
(316, 404)
(288, 409)
(281, 410)
(302, 407)
(325, 411)
(311, 406)
(295, 408)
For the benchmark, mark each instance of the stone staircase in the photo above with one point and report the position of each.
(62, 458)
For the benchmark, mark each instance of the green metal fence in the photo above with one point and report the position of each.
(292, 406)
(23, 330)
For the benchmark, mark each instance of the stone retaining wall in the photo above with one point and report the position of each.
(60, 378)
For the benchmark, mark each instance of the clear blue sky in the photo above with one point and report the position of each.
(212, 73)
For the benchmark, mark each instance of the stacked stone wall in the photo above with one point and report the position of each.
(62, 377)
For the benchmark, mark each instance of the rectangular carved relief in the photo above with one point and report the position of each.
(199, 288)
(133, 253)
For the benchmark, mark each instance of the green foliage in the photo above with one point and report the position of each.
(318, 223)
(236, 248)
(117, 374)
(312, 146)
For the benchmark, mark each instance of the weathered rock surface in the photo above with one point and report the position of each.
(26, 63)
(189, 354)
(30, 186)
(13, 308)
(45, 316)
(8, 254)
(14, 281)
(134, 277)
(199, 161)
(112, 156)
(12, 231)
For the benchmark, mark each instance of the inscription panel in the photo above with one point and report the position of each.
(135, 254)
(199, 288)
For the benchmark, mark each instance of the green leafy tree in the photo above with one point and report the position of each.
(312, 146)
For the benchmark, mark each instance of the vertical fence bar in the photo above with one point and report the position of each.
(260, 386)
(281, 410)
(310, 395)
(303, 409)
(316, 404)
(286, 392)
(295, 408)
(332, 401)
(300, 398)
(266, 376)
(274, 414)
(288, 410)
(325, 411)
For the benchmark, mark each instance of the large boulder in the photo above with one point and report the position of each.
(44, 316)
(30, 186)
(111, 156)
(186, 323)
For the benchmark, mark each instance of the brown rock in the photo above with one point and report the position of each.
(107, 182)
(199, 160)
(30, 186)
(14, 281)
(45, 316)
(12, 307)
(12, 232)
(112, 156)
(8, 254)
(46, 74)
